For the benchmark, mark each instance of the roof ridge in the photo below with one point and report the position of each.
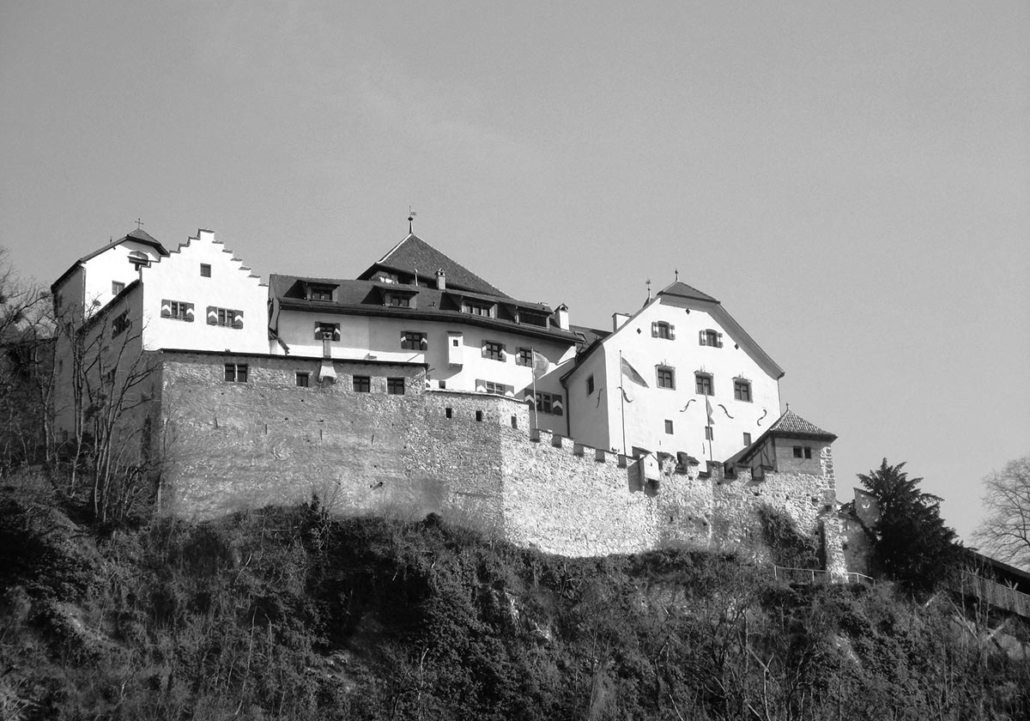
(398, 245)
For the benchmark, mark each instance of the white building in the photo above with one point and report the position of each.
(679, 376)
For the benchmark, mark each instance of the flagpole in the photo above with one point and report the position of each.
(532, 368)
(622, 403)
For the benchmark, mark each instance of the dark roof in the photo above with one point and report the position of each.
(788, 425)
(139, 236)
(414, 255)
(685, 291)
(367, 297)
(589, 336)
(791, 424)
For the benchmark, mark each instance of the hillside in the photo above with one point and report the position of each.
(290, 613)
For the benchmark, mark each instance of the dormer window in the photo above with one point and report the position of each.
(319, 291)
(398, 301)
(474, 307)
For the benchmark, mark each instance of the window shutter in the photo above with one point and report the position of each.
(212, 315)
(718, 342)
(672, 332)
(318, 331)
(424, 343)
(189, 312)
(237, 319)
(556, 406)
(701, 337)
(166, 309)
(654, 330)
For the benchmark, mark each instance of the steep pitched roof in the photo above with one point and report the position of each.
(138, 235)
(790, 423)
(414, 255)
(685, 291)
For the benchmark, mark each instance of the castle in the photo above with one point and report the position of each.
(421, 387)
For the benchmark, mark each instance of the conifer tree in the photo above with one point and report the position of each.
(911, 544)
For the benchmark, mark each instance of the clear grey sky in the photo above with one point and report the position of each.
(851, 180)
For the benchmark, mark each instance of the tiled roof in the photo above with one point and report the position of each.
(685, 291)
(791, 423)
(414, 255)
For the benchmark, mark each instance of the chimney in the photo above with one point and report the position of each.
(619, 320)
(441, 280)
(561, 314)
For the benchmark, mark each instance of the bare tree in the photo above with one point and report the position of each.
(26, 369)
(110, 449)
(1005, 533)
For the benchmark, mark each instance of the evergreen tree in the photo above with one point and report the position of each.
(911, 543)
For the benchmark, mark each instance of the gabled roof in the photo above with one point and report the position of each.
(685, 291)
(138, 236)
(414, 255)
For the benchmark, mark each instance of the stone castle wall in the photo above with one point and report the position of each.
(239, 445)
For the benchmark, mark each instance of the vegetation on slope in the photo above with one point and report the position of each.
(289, 613)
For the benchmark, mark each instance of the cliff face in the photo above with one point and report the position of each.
(297, 613)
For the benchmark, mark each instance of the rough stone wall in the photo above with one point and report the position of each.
(240, 445)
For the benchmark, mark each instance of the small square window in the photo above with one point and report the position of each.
(395, 386)
(668, 427)
(524, 357)
(236, 372)
(797, 451)
(742, 390)
(703, 384)
(117, 287)
(479, 416)
(808, 452)
(448, 412)
(205, 270)
(667, 378)
(493, 351)
(747, 439)
(303, 379)
(443, 385)
(362, 384)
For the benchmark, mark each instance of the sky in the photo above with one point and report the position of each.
(850, 180)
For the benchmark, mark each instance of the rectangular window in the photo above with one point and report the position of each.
(590, 385)
(205, 270)
(524, 357)
(742, 390)
(414, 341)
(327, 331)
(493, 351)
(711, 338)
(398, 301)
(177, 310)
(117, 287)
(666, 378)
(798, 451)
(808, 452)
(320, 292)
(120, 324)
(661, 329)
(668, 427)
(362, 384)
(549, 403)
(303, 379)
(703, 384)
(498, 388)
(747, 439)
(709, 433)
(395, 386)
(477, 308)
(236, 372)
(225, 317)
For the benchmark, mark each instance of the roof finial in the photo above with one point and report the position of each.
(411, 218)
(677, 271)
(648, 289)
(139, 223)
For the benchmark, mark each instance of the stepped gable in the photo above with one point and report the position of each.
(414, 255)
(793, 425)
